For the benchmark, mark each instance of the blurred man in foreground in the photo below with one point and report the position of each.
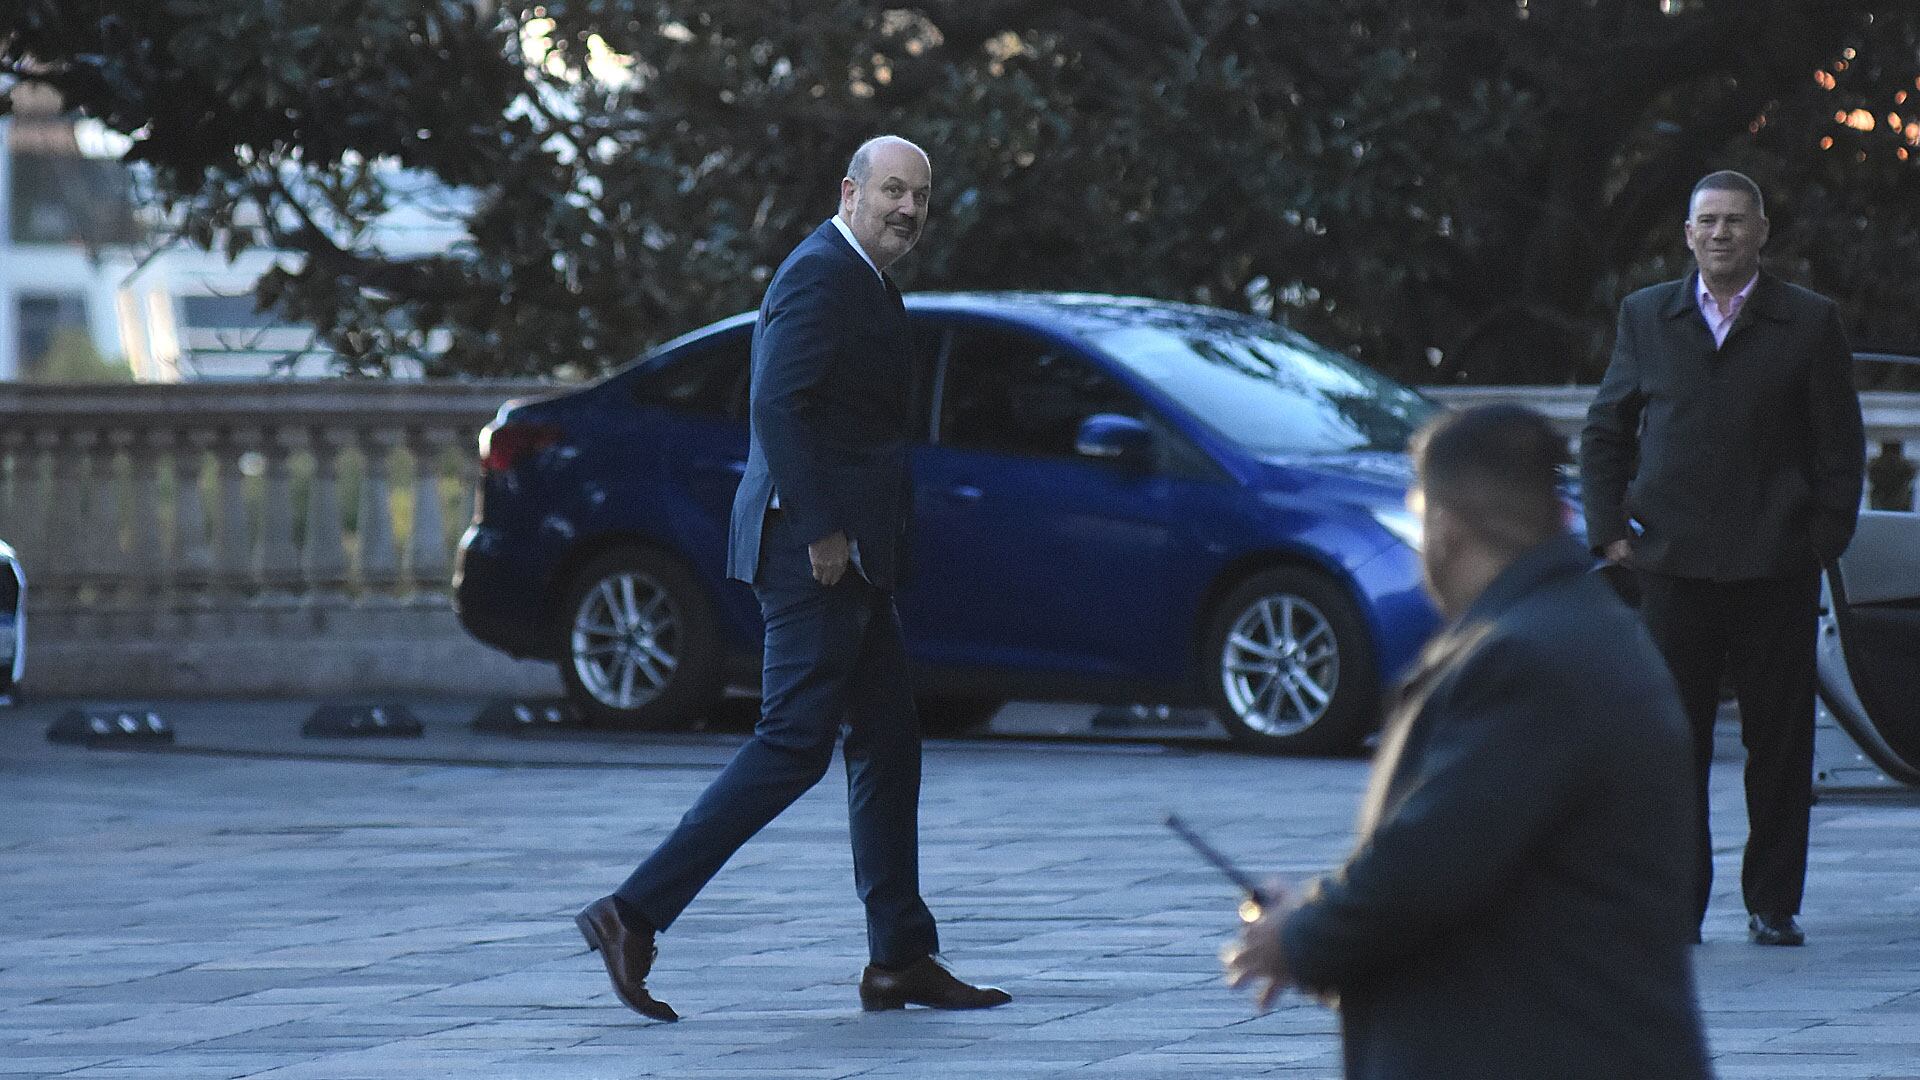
(1519, 903)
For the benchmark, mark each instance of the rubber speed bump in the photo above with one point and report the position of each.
(109, 727)
(526, 717)
(362, 721)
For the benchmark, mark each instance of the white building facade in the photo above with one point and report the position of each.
(78, 254)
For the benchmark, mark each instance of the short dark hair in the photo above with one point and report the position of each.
(1728, 180)
(1497, 467)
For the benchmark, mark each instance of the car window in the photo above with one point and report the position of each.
(1270, 390)
(929, 337)
(708, 377)
(1014, 394)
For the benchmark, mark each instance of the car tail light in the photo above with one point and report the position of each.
(503, 446)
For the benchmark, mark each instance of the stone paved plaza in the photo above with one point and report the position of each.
(253, 904)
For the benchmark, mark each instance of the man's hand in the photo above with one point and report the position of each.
(1619, 552)
(1257, 956)
(829, 557)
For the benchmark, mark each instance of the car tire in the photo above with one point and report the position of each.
(639, 642)
(951, 714)
(1289, 667)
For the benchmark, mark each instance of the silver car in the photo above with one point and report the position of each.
(1870, 615)
(13, 623)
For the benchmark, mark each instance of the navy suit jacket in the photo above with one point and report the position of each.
(831, 408)
(1520, 904)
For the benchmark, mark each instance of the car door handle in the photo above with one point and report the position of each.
(965, 493)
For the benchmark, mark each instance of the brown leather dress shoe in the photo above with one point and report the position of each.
(628, 956)
(923, 982)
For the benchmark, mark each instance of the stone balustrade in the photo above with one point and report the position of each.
(258, 537)
(297, 537)
(135, 493)
(1892, 421)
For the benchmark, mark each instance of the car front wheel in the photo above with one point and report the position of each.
(1289, 666)
(640, 642)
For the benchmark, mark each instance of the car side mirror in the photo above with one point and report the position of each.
(1122, 440)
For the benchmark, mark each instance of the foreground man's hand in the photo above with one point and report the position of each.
(1257, 956)
(829, 557)
(1620, 551)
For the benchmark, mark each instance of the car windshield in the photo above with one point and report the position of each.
(1270, 389)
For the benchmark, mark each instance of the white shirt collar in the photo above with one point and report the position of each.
(858, 250)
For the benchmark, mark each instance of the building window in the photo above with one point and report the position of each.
(43, 318)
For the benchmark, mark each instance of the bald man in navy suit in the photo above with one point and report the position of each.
(818, 530)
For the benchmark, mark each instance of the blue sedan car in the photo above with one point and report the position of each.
(1116, 500)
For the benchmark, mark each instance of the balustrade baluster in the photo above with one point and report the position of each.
(62, 559)
(234, 559)
(105, 565)
(193, 559)
(21, 513)
(148, 570)
(326, 552)
(11, 441)
(35, 529)
(379, 560)
(428, 562)
(469, 474)
(279, 555)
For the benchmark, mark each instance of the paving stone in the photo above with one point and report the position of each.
(177, 915)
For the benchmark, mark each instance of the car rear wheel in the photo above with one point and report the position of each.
(1290, 668)
(640, 642)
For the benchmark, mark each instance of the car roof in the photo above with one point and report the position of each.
(1069, 313)
(1080, 312)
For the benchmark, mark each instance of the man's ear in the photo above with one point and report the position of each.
(1439, 526)
(847, 188)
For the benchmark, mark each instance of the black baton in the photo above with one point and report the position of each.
(1225, 865)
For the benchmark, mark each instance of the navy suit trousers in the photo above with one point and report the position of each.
(834, 657)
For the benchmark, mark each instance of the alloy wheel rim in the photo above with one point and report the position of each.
(1280, 665)
(626, 640)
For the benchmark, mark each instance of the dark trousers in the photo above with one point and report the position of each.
(1762, 634)
(833, 655)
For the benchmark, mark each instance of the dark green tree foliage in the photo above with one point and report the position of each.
(1456, 190)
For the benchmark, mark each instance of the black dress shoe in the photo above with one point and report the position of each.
(1775, 930)
(628, 956)
(923, 982)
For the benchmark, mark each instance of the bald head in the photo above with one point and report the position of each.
(883, 198)
(861, 167)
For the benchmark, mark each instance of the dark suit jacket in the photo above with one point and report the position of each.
(1520, 904)
(831, 409)
(1739, 463)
